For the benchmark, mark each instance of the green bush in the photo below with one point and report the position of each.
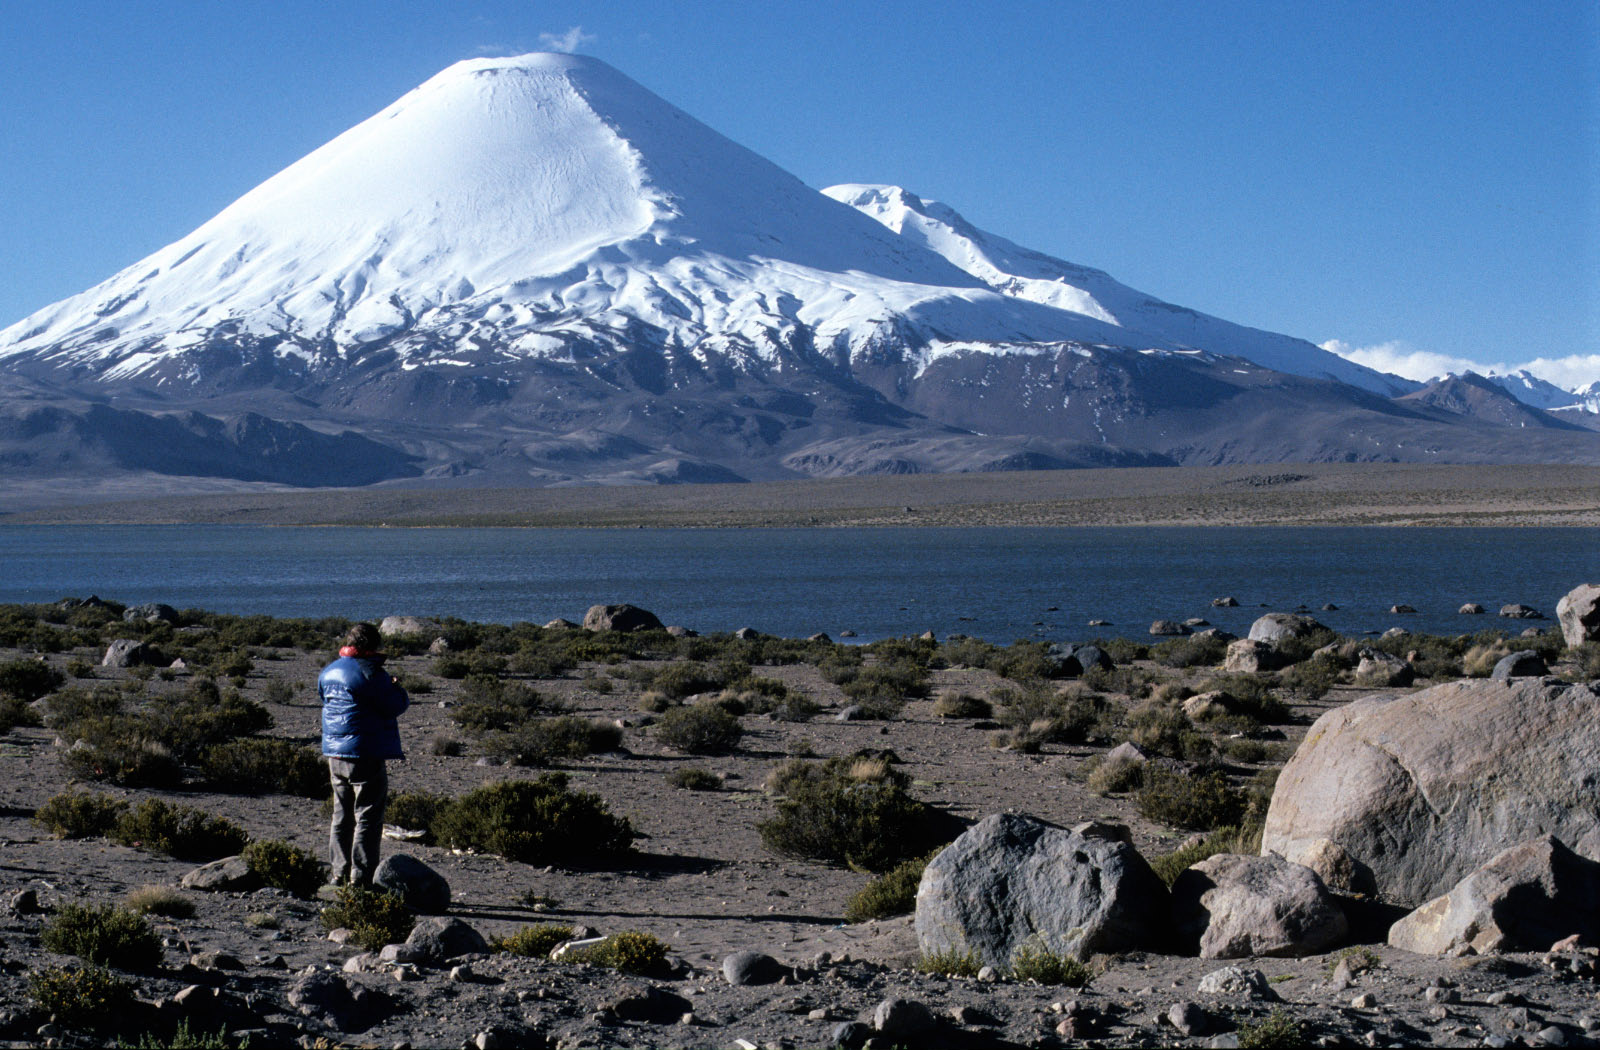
(626, 952)
(699, 729)
(1228, 839)
(549, 740)
(1108, 777)
(489, 703)
(79, 814)
(962, 705)
(202, 717)
(14, 712)
(131, 760)
(103, 935)
(951, 963)
(1041, 966)
(286, 867)
(373, 917)
(29, 679)
(883, 689)
(1201, 801)
(536, 941)
(183, 832)
(892, 893)
(459, 665)
(68, 707)
(852, 810)
(1163, 729)
(414, 810)
(89, 998)
(159, 900)
(1277, 1030)
(260, 765)
(694, 778)
(184, 1038)
(1203, 650)
(536, 821)
(1249, 695)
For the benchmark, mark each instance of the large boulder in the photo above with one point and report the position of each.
(1277, 627)
(1524, 899)
(1250, 656)
(407, 626)
(1525, 664)
(436, 939)
(1418, 790)
(126, 652)
(620, 618)
(150, 612)
(1234, 907)
(1518, 611)
(423, 889)
(1578, 612)
(1381, 670)
(1012, 880)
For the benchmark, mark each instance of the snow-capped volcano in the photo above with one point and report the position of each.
(524, 206)
(534, 271)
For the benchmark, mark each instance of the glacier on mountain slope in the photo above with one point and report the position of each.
(541, 206)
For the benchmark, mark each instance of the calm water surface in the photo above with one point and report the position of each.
(995, 583)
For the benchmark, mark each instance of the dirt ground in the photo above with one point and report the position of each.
(702, 881)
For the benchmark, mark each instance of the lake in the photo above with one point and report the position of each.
(1000, 584)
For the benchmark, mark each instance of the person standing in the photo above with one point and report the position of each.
(361, 705)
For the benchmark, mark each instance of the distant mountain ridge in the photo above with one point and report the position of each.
(534, 271)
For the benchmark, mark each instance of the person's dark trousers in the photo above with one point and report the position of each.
(360, 790)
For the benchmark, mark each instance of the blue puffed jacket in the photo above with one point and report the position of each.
(360, 703)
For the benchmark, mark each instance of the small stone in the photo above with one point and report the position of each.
(988, 974)
(688, 1018)
(1552, 1036)
(1067, 1028)
(850, 1034)
(1364, 1001)
(1441, 995)
(902, 1018)
(748, 967)
(25, 902)
(341, 935)
(1438, 1013)
(462, 974)
(1500, 998)
(817, 1015)
(1188, 1018)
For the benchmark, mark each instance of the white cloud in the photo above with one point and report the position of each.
(567, 42)
(1402, 359)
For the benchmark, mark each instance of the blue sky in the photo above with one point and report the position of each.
(1407, 178)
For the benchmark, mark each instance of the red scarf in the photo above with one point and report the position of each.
(362, 654)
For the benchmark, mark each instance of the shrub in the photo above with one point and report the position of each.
(373, 917)
(685, 678)
(1204, 650)
(1250, 695)
(191, 722)
(883, 689)
(1277, 1030)
(88, 997)
(1229, 839)
(286, 867)
(694, 778)
(233, 665)
(489, 703)
(1109, 777)
(892, 893)
(1201, 801)
(159, 900)
(14, 712)
(459, 665)
(1587, 663)
(79, 814)
(699, 729)
(1041, 966)
(841, 811)
(1163, 729)
(545, 742)
(29, 679)
(68, 707)
(445, 745)
(183, 832)
(414, 809)
(626, 952)
(535, 820)
(259, 765)
(103, 935)
(950, 963)
(279, 692)
(536, 941)
(183, 1038)
(131, 761)
(962, 705)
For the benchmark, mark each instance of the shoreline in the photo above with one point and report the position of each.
(1382, 495)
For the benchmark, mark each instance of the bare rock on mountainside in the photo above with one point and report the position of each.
(1578, 612)
(1235, 907)
(1421, 789)
(1012, 880)
(1525, 898)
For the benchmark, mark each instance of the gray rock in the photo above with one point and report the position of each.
(1235, 907)
(619, 618)
(1168, 627)
(150, 612)
(333, 1000)
(1520, 612)
(1457, 773)
(650, 1004)
(897, 1018)
(1237, 982)
(850, 1034)
(439, 646)
(1250, 656)
(408, 625)
(753, 968)
(1276, 627)
(850, 713)
(1471, 609)
(125, 652)
(1225, 603)
(1012, 880)
(1380, 670)
(26, 902)
(1520, 665)
(562, 624)
(230, 874)
(423, 889)
(1401, 609)
(1578, 612)
(747, 634)
(1190, 1019)
(500, 1037)
(436, 938)
(1525, 898)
